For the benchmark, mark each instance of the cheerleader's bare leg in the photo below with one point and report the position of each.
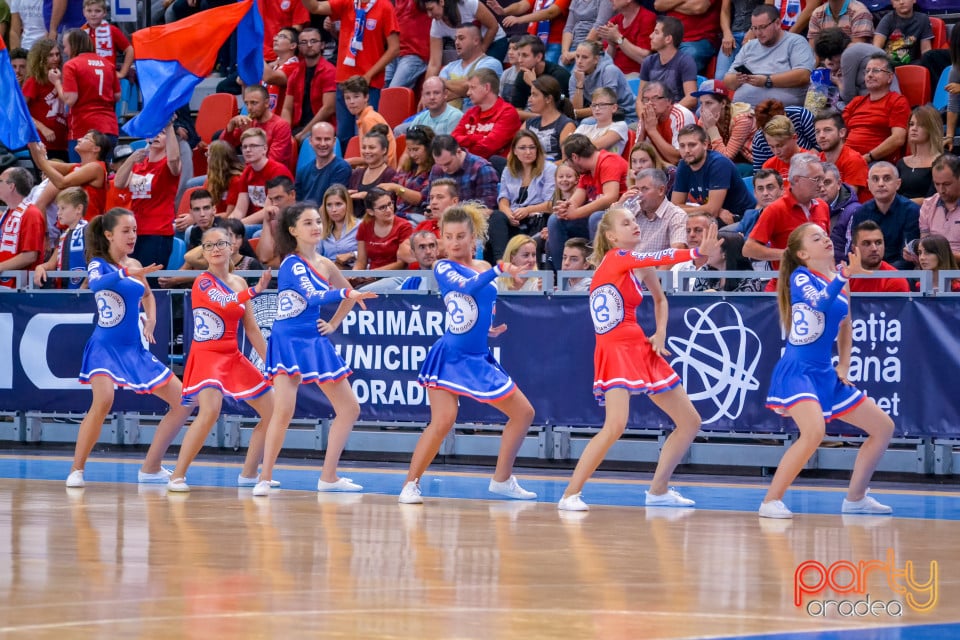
(92, 424)
(809, 418)
(285, 402)
(210, 400)
(879, 427)
(346, 411)
(519, 414)
(263, 405)
(676, 404)
(617, 405)
(443, 414)
(169, 426)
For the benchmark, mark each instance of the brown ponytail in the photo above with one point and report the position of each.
(97, 244)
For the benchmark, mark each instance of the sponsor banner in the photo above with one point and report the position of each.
(724, 349)
(42, 336)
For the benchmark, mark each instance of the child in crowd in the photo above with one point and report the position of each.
(70, 252)
(356, 93)
(904, 34)
(108, 40)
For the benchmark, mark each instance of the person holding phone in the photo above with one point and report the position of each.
(774, 64)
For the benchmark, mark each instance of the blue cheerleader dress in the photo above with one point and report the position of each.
(295, 345)
(805, 372)
(115, 349)
(461, 361)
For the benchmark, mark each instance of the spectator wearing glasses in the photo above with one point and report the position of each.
(661, 120)
(604, 133)
(798, 205)
(312, 91)
(380, 233)
(276, 129)
(843, 203)
(278, 73)
(774, 65)
(252, 185)
(877, 122)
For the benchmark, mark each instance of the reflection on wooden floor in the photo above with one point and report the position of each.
(117, 560)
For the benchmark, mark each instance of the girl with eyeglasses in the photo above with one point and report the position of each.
(215, 367)
(115, 355)
(299, 351)
(381, 233)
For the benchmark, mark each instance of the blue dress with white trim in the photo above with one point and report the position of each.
(295, 345)
(115, 349)
(805, 372)
(461, 361)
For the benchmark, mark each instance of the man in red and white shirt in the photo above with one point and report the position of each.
(278, 74)
(108, 40)
(252, 186)
(259, 115)
(276, 15)
(153, 176)
(488, 127)
(22, 226)
(660, 120)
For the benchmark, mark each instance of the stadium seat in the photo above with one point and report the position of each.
(914, 84)
(353, 148)
(214, 114)
(634, 84)
(396, 105)
(631, 140)
(711, 69)
(748, 180)
(401, 145)
(939, 33)
(129, 103)
(940, 95)
(176, 255)
(306, 156)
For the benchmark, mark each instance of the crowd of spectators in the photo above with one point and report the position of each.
(735, 113)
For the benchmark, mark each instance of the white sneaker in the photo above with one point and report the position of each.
(865, 505)
(572, 503)
(243, 481)
(162, 476)
(510, 488)
(75, 479)
(775, 509)
(411, 493)
(178, 485)
(343, 484)
(262, 488)
(671, 498)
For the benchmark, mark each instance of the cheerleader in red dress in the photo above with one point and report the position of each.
(626, 361)
(215, 367)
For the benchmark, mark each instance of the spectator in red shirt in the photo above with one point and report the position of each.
(877, 122)
(153, 175)
(701, 26)
(312, 91)
(47, 110)
(868, 238)
(277, 15)
(379, 42)
(799, 204)
(602, 179)
(380, 234)
(22, 225)
(279, 73)
(259, 115)
(108, 40)
(90, 173)
(831, 138)
(414, 54)
(90, 88)
(627, 34)
(488, 127)
(782, 138)
(251, 188)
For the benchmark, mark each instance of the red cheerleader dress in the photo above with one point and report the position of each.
(215, 360)
(623, 358)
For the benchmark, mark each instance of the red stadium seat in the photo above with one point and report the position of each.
(353, 148)
(914, 84)
(214, 114)
(939, 33)
(631, 140)
(396, 105)
(401, 146)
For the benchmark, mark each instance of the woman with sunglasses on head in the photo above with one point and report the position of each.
(215, 367)
(411, 183)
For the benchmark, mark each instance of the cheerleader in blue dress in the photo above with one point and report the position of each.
(115, 354)
(815, 312)
(460, 362)
(299, 352)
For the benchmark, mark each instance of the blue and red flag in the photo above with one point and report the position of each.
(16, 125)
(172, 59)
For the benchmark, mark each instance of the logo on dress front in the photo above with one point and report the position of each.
(290, 304)
(606, 308)
(207, 325)
(462, 312)
(111, 308)
(807, 325)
